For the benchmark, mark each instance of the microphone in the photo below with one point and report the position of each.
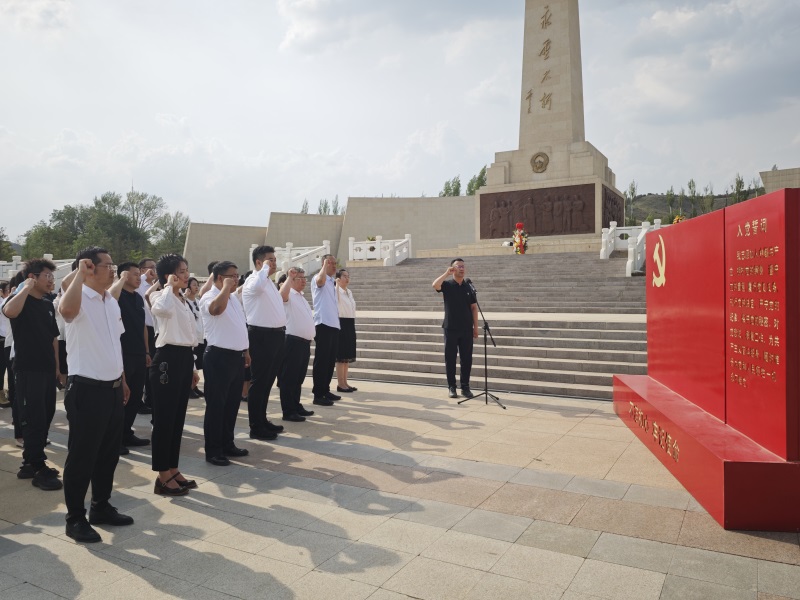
(468, 281)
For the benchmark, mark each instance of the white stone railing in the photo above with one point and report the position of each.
(9, 269)
(391, 252)
(630, 239)
(307, 258)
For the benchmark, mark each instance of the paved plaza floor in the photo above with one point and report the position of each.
(397, 492)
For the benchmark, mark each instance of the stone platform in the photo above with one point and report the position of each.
(398, 492)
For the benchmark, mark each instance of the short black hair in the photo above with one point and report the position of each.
(222, 266)
(191, 279)
(211, 266)
(126, 266)
(35, 266)
(16, 280)
(282, 278)
(144, 261)
(3, 286)
(261, 251)
(243, 278)
(339, 273)
(91, 252)
(455, 260)
(324, 256)
(167, 265)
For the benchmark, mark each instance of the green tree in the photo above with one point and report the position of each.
(452, 187)
(681, 199)
(477, 182)
(144, 210)
(670, 201)
(693, 196)
(324, 207)
(630, 196)
(6, 251)
(708, 198)
(738, 190)
(335, 205)
(170, 233)
(304, 208)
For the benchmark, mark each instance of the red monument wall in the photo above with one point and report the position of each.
(720, 407)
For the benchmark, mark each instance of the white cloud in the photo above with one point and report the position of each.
(48, 15)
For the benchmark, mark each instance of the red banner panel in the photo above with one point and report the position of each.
(686, 310)
(761, 260)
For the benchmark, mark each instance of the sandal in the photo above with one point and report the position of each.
(161, 488)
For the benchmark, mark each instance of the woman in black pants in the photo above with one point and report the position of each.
(172, 376)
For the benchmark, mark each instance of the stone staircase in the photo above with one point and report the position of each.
(564, 323)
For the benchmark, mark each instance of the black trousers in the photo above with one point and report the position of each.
(63, 367)
(293, 372)
(170, 400)
(147, 399)
(266, 354)
(36, 398)
(3, 363)
(95, 417)
(458, 343)
(224, 376)
(327, 343)
(135, 375)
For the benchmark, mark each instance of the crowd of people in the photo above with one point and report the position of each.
(135, 338)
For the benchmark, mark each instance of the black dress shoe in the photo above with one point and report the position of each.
(81, 531)
(270, 426)
(108, 515)
(220, 461)
(466, 392)
(193, 394)
(452, 390)
(295, 418)
(132, 440)
(164, 490)
(331, 396)
(189, 484)
(322, 401)
(263, 434)
(199, 392)
(123, 451)
(305, 413)
(235, 452)
(145, 410)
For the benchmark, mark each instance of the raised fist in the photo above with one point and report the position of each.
(85, 265)
(173, 281)
(292, 274)
(229, 284)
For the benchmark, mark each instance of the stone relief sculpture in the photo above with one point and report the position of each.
(550, 211)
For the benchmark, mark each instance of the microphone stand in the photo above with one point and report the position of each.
(487, 333)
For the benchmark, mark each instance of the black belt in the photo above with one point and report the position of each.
(95, 382)
(298, 338)
(257, 328)
(226, 350)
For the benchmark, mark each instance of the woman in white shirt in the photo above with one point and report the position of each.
(346, 352)
(172, 375)
(192, 295)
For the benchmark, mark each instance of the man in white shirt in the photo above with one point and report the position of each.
(95, 395)
(266, 329)
(299, 333)
(224, 363)
(326, 321)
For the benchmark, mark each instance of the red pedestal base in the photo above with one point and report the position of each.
(740, 484)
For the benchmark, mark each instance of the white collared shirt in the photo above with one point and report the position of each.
(5, 325)
(143, 287)
(299, 319)
(93, 343)
(347, 304)
(325, 310)
(227, 330)
(174, 318)
(262, 301)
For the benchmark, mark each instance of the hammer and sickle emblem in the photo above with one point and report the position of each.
(660, 258)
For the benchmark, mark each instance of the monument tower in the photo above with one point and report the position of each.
(556, 183)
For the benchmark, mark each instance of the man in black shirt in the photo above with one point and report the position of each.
(33, 323)
(135, 350)
(460, 324)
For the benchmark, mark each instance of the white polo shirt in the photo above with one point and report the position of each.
(299, 319)
(175, 320)
(262, 301)
(325, 310)
(93, 343)
(227, 330)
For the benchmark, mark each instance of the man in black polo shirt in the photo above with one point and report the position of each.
(33, 323)
(460, 324)
(135, 350)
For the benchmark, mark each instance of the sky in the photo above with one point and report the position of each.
(232, 109)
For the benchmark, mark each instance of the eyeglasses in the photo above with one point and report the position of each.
(48, 276)
(108, 266)
(164, 378)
